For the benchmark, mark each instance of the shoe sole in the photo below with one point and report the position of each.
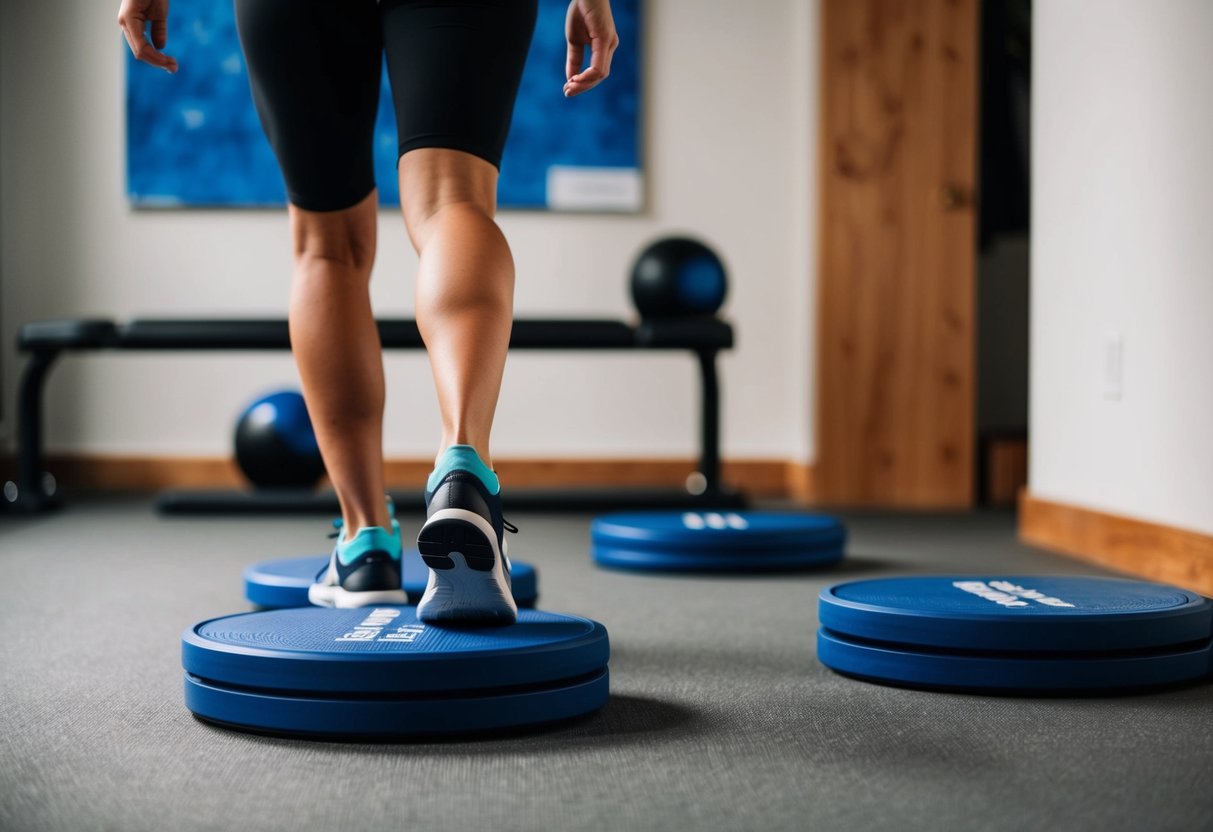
(467, 580)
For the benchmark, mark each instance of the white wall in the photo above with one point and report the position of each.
(1122, 245)
(730, 108)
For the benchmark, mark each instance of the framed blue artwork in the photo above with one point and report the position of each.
(193, 139)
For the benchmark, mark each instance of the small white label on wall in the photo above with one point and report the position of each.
(595, 189)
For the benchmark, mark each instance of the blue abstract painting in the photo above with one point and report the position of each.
(194, 140)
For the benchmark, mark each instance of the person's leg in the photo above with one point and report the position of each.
(465, 286)
(455, 68)
(337, 350)
(336, 346)
(465, 291)
(314, 69)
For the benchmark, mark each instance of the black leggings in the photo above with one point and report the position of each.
(314, 68)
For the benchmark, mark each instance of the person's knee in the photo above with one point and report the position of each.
(464, 218)
(345, 237)
(434, 181)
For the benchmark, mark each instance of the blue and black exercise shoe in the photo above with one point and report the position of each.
(328, 580)
(363, 570)
(285, 582)
(463, 543)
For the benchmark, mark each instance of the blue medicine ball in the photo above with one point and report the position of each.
(678, 277)
(275, 444)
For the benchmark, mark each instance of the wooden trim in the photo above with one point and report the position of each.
(136, 473)
(801, 482)
(1149, 550)
(768, 478)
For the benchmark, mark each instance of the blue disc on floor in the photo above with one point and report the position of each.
(710, 541)
(275, 584)
(377, 672)
(1045, 672)
(1016, 613)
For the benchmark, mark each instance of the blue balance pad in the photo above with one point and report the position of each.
(697, 541)
(275, 584)
(1016, 633)
(377, 672)
(1016, 672)
(1017, 613)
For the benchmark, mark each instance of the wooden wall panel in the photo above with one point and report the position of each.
(897, 268)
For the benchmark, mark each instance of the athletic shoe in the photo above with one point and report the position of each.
(463, 544)
(362, 571)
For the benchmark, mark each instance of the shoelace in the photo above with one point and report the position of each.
(508, 526)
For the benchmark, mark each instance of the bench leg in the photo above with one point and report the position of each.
(709, 459)
(33, 490)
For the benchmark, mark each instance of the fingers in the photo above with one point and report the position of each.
(601, 50)
(133, 26)
(588, 23)
(583, 82)
(159, 33)
(575, 59)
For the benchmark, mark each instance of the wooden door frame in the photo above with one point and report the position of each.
(895, 403)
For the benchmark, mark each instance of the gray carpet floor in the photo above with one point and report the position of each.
(720, 716)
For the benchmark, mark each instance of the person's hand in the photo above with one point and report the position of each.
(589, 23)
(133, 17)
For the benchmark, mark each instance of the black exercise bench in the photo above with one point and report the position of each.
(45, 341)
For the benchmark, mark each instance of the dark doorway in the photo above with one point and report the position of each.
(1002, 265)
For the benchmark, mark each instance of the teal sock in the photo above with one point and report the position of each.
(365, 539)
(463, 458)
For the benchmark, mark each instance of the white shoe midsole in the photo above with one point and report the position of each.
(329, 593)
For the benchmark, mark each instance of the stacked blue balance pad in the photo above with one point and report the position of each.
(377, 673)
(697, 541)
(1016, 634)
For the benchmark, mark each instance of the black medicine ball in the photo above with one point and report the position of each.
(275, 444)
(678, 277)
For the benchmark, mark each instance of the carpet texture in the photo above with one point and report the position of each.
(720, 717)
